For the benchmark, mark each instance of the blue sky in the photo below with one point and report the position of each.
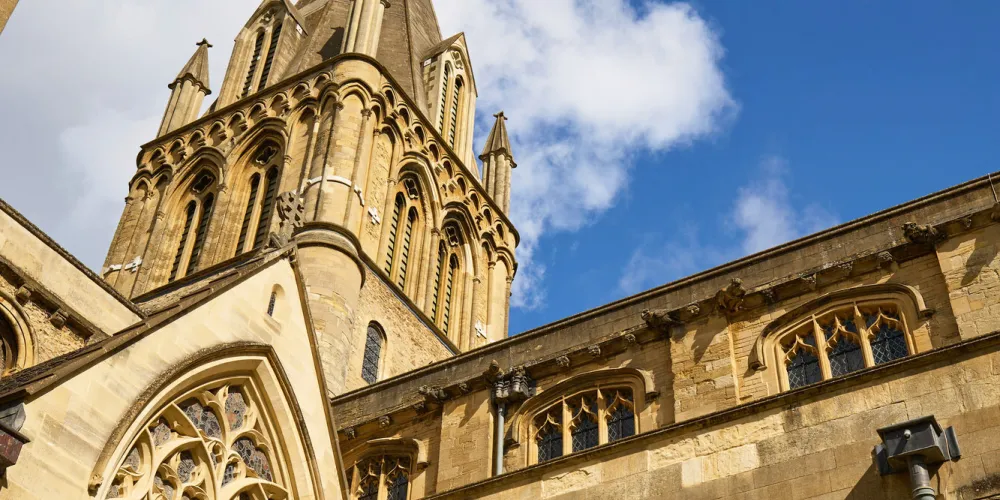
(655, 139)
(850, 106)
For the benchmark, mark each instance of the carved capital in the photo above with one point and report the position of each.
(923, 234)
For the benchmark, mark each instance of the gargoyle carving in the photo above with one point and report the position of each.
(729, 300)
(659, 319)
(924, 234)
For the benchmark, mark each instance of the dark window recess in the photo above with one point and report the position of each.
(373, 351)
(201, 233)
(248, 215)
(258, 45)
(189, 219)
(269, 60)
(264, 222)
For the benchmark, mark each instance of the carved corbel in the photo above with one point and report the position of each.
(631, 340)
(384, 421)
(23, 295)
(693, 310)
(660, 319)
(770, 296)
(351, 433)
(923, 234)
(433, 394)
(58, 318)
(729, 300)
(563, 362)
(885, 259)
(464, 388)
(809, 280)
(493, 372)
(594, 350)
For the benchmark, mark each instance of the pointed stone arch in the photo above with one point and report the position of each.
(227, 421)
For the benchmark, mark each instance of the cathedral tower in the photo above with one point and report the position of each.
(350, 122)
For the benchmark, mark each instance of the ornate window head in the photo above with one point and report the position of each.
(593, 417)
(213, 442)
(549, 434)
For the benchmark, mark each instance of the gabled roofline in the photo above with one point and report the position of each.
(38, 233)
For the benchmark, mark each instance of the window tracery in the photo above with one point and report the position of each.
(211, 443)
(593, 417)
(841, 340)
(403, 239)
(388, 474)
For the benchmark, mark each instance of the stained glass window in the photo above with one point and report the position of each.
(181, 452)
(397, 479)
(373, 352)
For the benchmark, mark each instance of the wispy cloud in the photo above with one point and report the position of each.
(586, 83)
(764, 215)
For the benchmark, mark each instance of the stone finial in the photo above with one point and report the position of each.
(729, 300)
(923, 234)
(291, 215)
(659, 319)
(384, 421)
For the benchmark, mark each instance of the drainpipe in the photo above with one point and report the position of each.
(914, 447)
(512, 387)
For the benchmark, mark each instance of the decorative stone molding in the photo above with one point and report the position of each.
(594, 350)
(291, 215)
(967, 222)
(923, 234)
(693, 310)
(384, 421)
(351, 433)
(659, 319)
(464, 388)
(433, 393)
(420, 407)
(846, 267)
(516, 386)
(493, 372)
(809, 280)
(729, 300)
(770, 296)
(631, 340)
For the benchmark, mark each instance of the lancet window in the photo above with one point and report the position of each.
(213, 442)
(8, 347)
(842, 340)
(448, 268)
(370, 364)
(404, 232)
(197, 218)
(381, 477)
(456, 97)
(261, 195)
(445, 85)
(583, 420)
(269, 59)
(252, 71)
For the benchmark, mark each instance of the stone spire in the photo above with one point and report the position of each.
(187, 91)
(498, 162)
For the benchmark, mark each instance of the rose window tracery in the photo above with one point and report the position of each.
(211, 444)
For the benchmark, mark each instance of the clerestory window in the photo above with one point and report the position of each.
(842, 340)
(381, 477)
(582, 421)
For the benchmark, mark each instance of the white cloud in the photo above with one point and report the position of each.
(764, 215)
(83, 86)
(586, 83)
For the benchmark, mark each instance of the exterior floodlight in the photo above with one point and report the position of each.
(914, 446)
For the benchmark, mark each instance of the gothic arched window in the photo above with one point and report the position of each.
(583, 419)
(211, 442)
(248, 214)
(207, 205)
(374, 341)
(447, 277)
(438, 268)
(397, 212)
(455, 103)
(258, 46)
(189, 213)
(841, 339)
(386, 473)
(8, 347)
(269, 59)
(266, 209)
(445, 85)
(449, 292)
(411, 220)
(583, 425)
